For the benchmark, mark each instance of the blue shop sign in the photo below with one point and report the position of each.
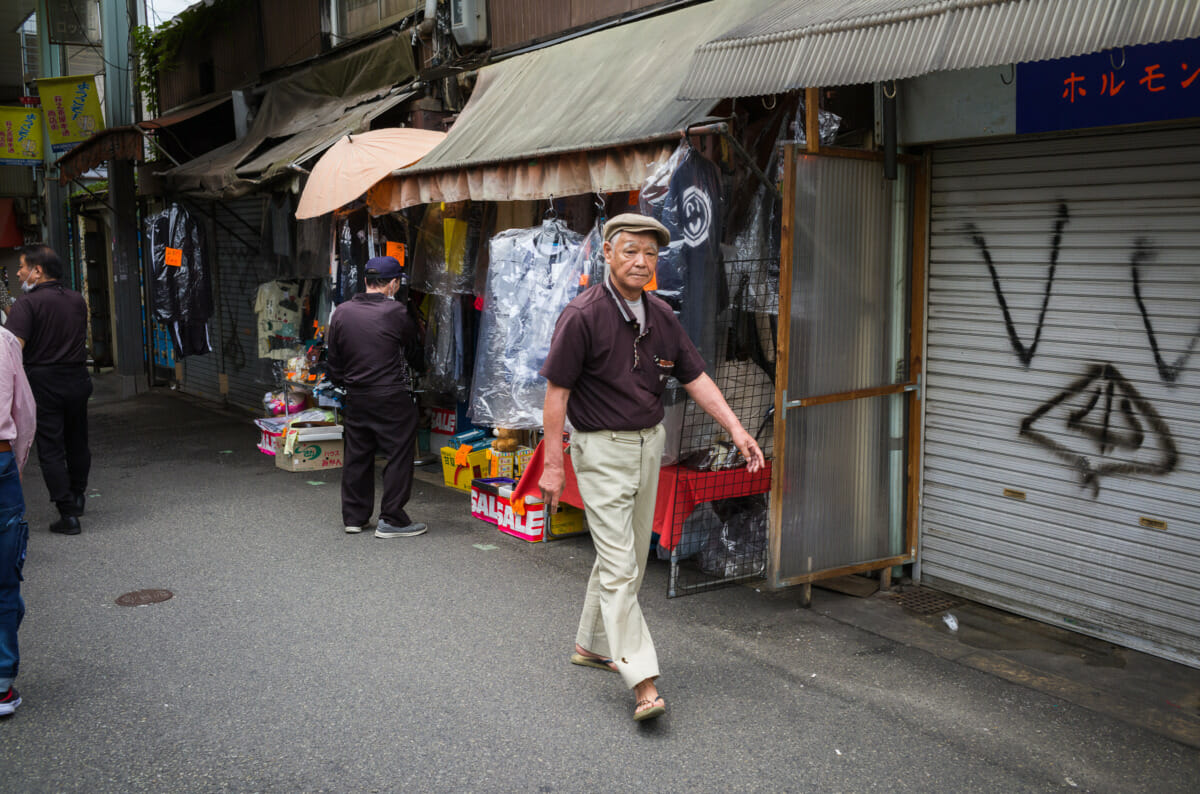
(1131, 85)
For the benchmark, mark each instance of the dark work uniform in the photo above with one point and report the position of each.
(373, 346)
(52, 320)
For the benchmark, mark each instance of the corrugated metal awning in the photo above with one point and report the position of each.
(587, 115)
(813, 43)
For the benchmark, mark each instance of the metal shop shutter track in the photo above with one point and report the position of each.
(1061, 473)
(232, 329)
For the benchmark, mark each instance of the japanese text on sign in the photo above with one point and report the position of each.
(1154, 82)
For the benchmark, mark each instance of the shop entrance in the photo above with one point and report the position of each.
(849, 367)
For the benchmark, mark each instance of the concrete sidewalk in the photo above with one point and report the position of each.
(294, 657)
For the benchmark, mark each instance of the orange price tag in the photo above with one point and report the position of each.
(653, 285)
(460, 455)
(583, 279)
(518, 506)
(396, 250)
(174, 257)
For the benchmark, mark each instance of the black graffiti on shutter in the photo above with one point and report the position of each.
(1112, 399)
(1168, 372)
(1025, 354)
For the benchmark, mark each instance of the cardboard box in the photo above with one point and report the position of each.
(318, 446)
(460, 466)
(508, 464)
(491, 501)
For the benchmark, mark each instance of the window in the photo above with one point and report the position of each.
(356, 17)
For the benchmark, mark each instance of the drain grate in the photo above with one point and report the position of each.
(140, 598)
(926, 602)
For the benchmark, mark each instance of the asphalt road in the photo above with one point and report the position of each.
(296, 658)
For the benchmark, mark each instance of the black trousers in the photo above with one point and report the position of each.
(383, 420)
(61, 392)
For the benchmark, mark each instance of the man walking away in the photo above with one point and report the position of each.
(614, 348)
(50, 321)
(17, 425)
(373, 348)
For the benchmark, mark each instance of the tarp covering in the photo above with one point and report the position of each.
(300, 116)
(813, 43)
(560, 106)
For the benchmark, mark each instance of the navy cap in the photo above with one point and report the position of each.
(385, 267)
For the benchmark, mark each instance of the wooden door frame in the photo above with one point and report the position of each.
(915, 384)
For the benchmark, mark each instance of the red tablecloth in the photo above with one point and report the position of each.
(680, 491)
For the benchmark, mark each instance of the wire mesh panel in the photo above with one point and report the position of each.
(712, 511)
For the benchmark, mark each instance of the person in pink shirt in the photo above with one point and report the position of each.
(18, 423)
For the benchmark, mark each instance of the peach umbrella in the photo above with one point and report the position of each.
(359, 160)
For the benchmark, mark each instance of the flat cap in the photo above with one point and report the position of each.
(638, 224)
(383, 267)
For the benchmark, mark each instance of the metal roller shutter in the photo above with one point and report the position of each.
(1062, 431)
(234, 234)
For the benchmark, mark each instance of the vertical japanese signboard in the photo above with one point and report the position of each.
(20, 136)
(1130, 85)
(72, 110)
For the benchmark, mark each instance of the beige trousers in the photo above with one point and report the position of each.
(617, 472)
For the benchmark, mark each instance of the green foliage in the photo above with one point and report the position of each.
(158, 49)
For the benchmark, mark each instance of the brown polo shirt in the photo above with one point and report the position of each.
(52, 320)
(593, 354)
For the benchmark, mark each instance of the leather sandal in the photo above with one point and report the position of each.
(654, 709)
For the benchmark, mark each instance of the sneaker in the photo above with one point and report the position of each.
(386, 530)
(10, 701)
(354, 529)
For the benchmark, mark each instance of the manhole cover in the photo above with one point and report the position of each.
(926, 602)
(139, 598)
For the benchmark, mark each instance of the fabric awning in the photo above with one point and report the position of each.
(115, 143)
(123, 143)
(185, 113)
(593, 114)
(814, 43)
(301, 116)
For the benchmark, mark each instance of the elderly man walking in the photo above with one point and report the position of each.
(614, 348)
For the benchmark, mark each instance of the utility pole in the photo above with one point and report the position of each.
(50, 64)
(117, 19)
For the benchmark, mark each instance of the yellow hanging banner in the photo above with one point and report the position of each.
(72, 110)
(20, 136)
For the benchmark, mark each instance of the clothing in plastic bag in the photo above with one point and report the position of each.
(739, 547)
(590, 258)
(446, 248)
(444, 344)
(752, 276)
(352, 255)
(182, 292)
(685, 195)
(533, 274)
